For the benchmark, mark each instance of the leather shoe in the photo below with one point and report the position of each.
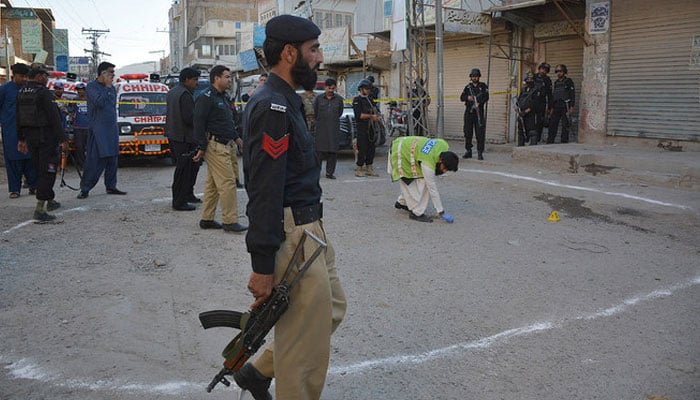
(467, 154)
(480, 157)
(207, 224)
(184, 207)
(235, 227)
(194, 199)
(52, 205)
(115, 191)
(400, 206)
(43, 216)
(421, 218)
(330, 176)
(82, 195)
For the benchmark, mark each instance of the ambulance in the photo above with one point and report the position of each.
(141, 111)
(67, 79)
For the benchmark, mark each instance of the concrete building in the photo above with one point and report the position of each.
(635, 63)
(205, 33)
(27, 35)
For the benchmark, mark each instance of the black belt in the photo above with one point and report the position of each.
(307, 214)
(221, 139)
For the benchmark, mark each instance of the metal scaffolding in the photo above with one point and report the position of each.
(415, 68)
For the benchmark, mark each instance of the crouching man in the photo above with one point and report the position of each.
(414, 161)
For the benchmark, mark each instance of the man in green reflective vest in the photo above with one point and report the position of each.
(415, 161)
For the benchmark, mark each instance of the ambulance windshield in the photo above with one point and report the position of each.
(142, 104)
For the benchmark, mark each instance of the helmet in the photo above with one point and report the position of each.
(475, 72)
(545, 66)
(80, 85)
(370, 78)
(528, 75)
(364, 84)
(562, 68)
(58, 85)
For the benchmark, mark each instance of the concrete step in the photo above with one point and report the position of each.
(658, 167)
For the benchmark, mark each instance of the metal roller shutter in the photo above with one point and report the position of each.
(570, 53)
(653, 87)
(459, 58)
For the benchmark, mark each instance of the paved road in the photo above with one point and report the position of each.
(502, 304)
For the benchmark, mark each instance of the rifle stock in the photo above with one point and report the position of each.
(257, 323)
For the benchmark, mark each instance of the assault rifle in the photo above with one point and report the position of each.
(475, 106)
(257, 323)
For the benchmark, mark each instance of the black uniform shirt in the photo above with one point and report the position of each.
(280, 166)
(362, 105)
(543, 99)
(481, 92)
(213, 114)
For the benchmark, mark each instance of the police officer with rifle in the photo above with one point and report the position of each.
(40, 131)
(282, 181)
(563, 99)
(543, 98)
(474, 96)
(525, 109)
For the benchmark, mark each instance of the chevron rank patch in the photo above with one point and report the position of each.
(278, 107)
(275, 148)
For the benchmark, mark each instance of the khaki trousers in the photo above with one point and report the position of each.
(220, 184)
(298, 356)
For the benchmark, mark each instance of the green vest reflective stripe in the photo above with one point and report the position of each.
(408, 153)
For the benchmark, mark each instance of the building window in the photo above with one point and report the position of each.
(328, 20)
(238, 25)
(348, 21)
(318, 18)
(338, 20)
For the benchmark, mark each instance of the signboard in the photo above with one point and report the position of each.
(79, 60)
(18, 13)
(62, 63)
(463, 21)
(600, 17)
(41, 56)
(248, 60)
(258, 36)
(335, 44)
(556, 29)
(31, 36)
(60, 47)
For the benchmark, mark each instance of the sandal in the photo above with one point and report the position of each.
(14, 195)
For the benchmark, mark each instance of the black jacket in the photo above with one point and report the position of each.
(213, 114)
(280, 165)
(481, 92)
(179, 126)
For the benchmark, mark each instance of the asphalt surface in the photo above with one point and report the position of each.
(501, 304)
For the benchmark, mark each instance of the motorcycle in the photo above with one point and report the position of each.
(398, 119)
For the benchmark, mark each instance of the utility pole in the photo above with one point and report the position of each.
(94, 34)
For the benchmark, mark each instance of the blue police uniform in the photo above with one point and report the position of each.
(17, 164)
(103, 140)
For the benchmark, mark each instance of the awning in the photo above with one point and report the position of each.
(515, 6)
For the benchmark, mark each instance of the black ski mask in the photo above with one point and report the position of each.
(302, 74)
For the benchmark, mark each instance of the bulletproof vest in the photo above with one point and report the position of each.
(525, 100)
(561, 90)
(28, 112)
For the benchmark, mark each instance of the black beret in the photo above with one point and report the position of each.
(291, 29)
(20, 68)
